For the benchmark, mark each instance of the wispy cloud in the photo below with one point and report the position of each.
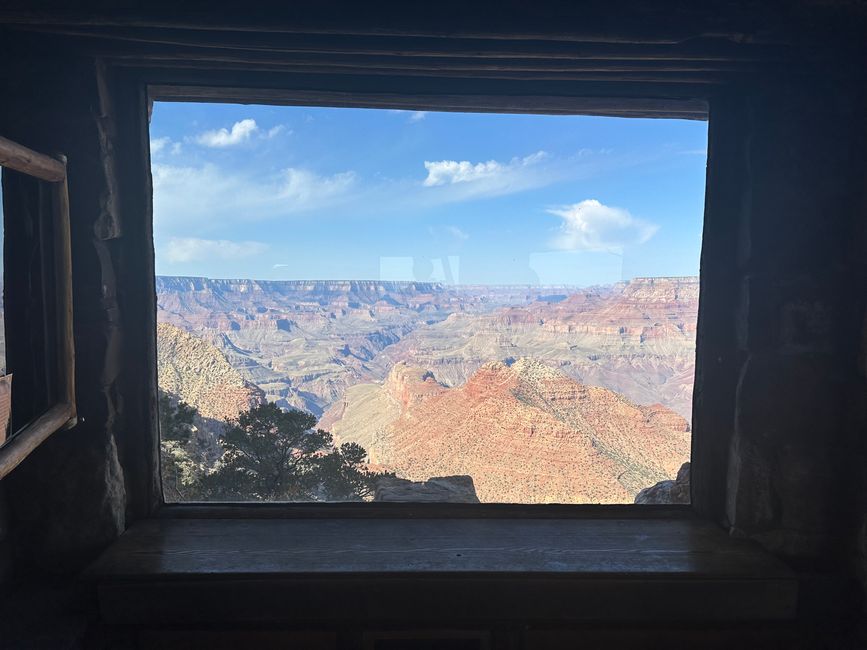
(593, 226)
(304, 188)
(412, 116)
(444, 172)
(191, 249)
(457, 233)
(164, 145)
(274, 131)
(462, 180)
(159, 144)
(219, 138)
(209, 196)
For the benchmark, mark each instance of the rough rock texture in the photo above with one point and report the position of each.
(667, 492)
(439, 489)
(776, 418)
(306, 343)
(525, 432)
(194, 371)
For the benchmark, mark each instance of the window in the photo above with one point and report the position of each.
(373, 304)
(37, 301)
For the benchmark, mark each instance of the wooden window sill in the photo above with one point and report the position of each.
(458, 570)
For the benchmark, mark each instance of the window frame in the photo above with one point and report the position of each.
(690, 105)
(58, 344)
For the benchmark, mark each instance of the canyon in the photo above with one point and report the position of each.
(539, 393)
(524, 431)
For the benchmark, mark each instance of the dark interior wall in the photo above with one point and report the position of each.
(781, 355)
(798, 284)
(71, 497)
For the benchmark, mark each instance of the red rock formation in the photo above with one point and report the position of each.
(524, 432)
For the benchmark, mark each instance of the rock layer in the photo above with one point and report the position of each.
(194, 371)
(525, 433)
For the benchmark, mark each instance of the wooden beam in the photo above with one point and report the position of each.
(576, 23)
(699, 79)
(65, 347)
(24, 160)
(552, 105)
(23, 442)
(698, 50)
(176, 55)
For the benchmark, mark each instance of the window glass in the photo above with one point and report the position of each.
(362, 305)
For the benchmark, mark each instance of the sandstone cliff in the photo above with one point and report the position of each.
(194, 371)
(306, 343)
(522, 430)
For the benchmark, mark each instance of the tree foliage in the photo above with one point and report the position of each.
(268, 455)
(180, 473)
(176, 419)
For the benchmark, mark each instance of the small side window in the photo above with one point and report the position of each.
(37, 342)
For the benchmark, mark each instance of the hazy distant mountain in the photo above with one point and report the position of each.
(304, 343)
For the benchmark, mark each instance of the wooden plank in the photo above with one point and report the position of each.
(197, 547)
(701, 50)
(197, 571)
(560, 22)
(664, 77)
(541, 104)
(20, 445)
(173, 54)
(24, 160)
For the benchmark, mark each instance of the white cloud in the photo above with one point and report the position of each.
(240, 133)
(273, 132)
(304, 188)
(209, 196)
(191, 249)
(592, 226)
(159, 144)
(446, 172)
(457, 233)
(164, 145)
(414, 116)
(280, 266)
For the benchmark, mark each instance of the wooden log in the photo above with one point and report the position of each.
(65, 350)
(695, 78)
(20, 445)
(184, 55)
(24, 160)
(538, 24)
(547, 104)
(482, 48)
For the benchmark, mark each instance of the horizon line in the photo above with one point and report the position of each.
(434, 282)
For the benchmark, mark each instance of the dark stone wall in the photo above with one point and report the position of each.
(72, 496)
(787, 471)
(781, 353)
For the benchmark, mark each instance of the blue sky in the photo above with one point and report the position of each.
(472, 198)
